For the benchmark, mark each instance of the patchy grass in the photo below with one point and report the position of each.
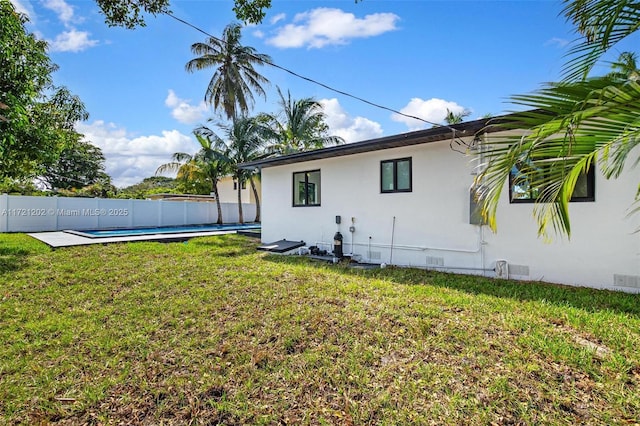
(213, 332)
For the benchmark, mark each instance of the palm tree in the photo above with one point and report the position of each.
(455, 118)
(574, 124)
(206, 164)
(243, 142)
(300, 126)
(235, 77)
(626, 67)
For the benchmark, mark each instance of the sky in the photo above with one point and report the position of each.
(419, 57)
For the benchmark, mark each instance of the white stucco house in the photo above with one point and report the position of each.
(228, 190)
(405, 200)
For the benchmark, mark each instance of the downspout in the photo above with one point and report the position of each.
(393, 231)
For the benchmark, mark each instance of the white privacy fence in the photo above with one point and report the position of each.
(40, 214)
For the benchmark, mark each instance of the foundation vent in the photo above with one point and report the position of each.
(629, 281)
(435, 261)
(522, 270)
(374, 255)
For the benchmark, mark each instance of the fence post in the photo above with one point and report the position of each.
(4, 206)
(131, 213)
(184, 213)
(56, 213)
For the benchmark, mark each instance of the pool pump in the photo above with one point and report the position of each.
(337, 245)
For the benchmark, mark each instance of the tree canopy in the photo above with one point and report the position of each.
(235, 77)
(79, 164)
(201, 172)
(25, 74)
(37, 134)
(130, 14)
(299, 126)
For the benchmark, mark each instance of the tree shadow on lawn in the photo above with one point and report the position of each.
(588, 299)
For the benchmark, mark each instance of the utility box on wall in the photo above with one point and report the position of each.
(475, 213)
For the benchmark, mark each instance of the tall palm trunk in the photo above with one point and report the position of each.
(240, 217)
(214, 188)
(255, 194)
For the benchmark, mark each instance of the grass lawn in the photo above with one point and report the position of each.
(214, 332)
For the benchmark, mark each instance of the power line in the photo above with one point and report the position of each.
(313, 81)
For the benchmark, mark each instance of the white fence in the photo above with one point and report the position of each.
(40, 214)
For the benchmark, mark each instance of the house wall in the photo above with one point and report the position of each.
(229, 195)
(430, 226)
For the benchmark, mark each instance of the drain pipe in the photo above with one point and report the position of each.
(352, 229)
(482, 243)
(393, 231)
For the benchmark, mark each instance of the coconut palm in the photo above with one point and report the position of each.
(572, 125)
(299, 126)
(243, 142)
(455, 118)
(207, 164)
(235, 77)
(626, 67)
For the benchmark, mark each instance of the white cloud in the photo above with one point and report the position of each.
(325, 26)
(61, 8)
(352, 129)
(558, 42)
(279, 17)
(71, 41)
(433, 110)
(183, 111)
(130, 159)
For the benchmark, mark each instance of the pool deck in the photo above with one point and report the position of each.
(64, 239)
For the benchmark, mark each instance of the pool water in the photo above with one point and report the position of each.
(125, 232)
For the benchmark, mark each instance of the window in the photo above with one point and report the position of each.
(306, 188)
(395, 175)
(520, 190)
(235, 185)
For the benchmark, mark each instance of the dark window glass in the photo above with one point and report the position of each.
(306, 188)
(521, 191)
(395, 175)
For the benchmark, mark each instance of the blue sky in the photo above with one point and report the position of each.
(417, 56)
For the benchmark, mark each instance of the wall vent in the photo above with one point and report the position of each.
(374, 255)
(435, 261)
(522, 270)
(629, 281)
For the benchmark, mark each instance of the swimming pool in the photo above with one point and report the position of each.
(127, 232)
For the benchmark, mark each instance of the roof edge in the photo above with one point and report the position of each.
(435, 134)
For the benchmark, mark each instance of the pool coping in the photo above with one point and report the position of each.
(166, 230)
(57, 239)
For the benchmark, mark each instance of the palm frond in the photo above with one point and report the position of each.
(601, 24)
(571, 127)
(178, 160)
